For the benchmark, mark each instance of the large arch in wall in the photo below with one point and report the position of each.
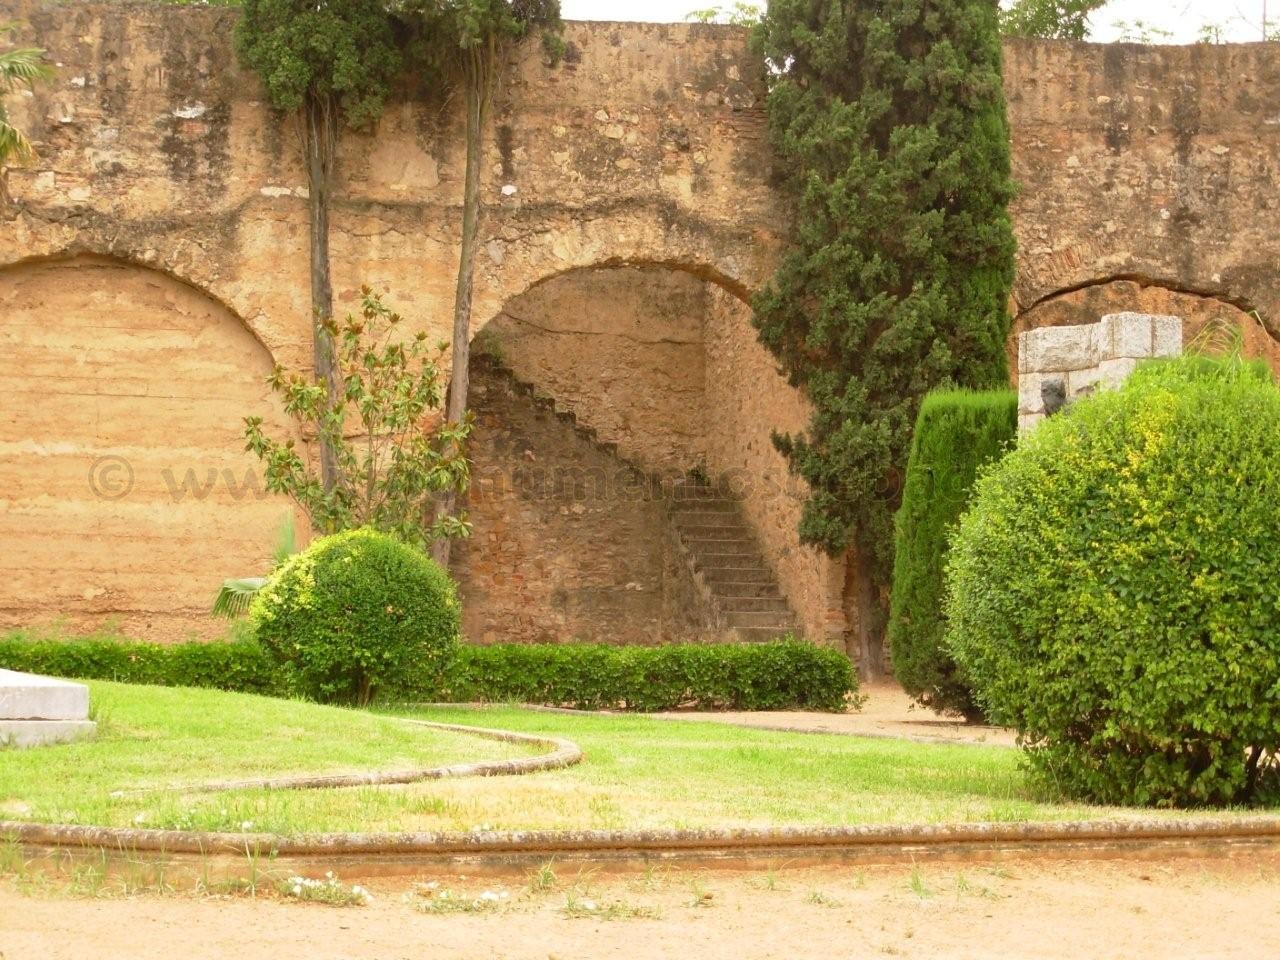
(655, 355)
(126, 495)
(1202, 312)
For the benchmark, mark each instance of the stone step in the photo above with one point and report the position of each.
(760, 634)
(763, 619)
(704, 505)
(710, 550)
(730, 604)
(737, 574)
(725, 526)
(738, 589)
(692, 491)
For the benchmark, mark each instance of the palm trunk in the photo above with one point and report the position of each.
(320, 140)
(479, 67)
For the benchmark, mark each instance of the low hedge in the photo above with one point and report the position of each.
(765, 676)
(957, 433)
(785, 674)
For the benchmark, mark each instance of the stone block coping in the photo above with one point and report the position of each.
(25, 696)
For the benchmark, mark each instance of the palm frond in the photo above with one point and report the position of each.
(286, 541)
(235, 596)
(12, 142)
(25, 65)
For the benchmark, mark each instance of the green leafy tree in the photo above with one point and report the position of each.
(1050, 19)
(889, 119)
(21, 66)
(329, 62)
(393, 452)
(464, 43)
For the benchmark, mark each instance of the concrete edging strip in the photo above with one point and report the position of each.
(658, 842)
(564, 753)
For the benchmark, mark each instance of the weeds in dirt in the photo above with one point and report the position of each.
(701, 896)
(433, 898)
(581, 907)
(543, 878)
(820, 899)
(918, 886)
(329, 890)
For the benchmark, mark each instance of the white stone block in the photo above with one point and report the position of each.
(1027, 421)
(1030, 393)
(1081, 382)
(1024, 364)
(25, 696)
(1112, 373)
(39, 733)
(1057, 349)
(1130, 335)
(1166, 337)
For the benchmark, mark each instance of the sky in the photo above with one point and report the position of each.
(1182, 18)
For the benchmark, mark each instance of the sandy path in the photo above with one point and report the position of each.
(888, 712)
(1169, 909)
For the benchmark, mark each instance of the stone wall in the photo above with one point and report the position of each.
(1059, 364)
(622, 349)
(568, 542)
(1146, 172)
(125, 491)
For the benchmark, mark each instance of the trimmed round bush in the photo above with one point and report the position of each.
(357, 614)
(1114, 590)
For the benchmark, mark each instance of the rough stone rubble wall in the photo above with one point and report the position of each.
(1059, 364)
(1147, 173)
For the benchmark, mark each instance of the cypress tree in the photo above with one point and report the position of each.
(889, 118)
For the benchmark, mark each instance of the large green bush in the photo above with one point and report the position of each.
(957, 432)
(1113, 594)
(358, 613)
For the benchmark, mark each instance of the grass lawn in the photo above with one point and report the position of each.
(169, 737)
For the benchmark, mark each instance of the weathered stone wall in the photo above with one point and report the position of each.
(125, 490)
(1142, 169)
(568, 543)
(622, 349)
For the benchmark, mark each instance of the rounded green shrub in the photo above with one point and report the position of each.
(1114, 590)
(357, 614)
(957, 432)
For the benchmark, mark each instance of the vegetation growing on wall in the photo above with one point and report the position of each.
(957, 433)
(889, 120)
(1049, 19)
(328, 63)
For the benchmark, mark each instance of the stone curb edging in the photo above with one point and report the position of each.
(621, 843)
(564, 753)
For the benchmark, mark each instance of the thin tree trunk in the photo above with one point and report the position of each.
(479, 67)
(867, 618)
(320, 140)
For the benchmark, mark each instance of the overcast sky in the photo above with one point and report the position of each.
(1182, 18)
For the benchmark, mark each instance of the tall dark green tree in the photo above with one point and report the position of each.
(331, 62)
(464, 43)
(889, 118)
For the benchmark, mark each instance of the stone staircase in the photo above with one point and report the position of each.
(721, 552)
(714, 540)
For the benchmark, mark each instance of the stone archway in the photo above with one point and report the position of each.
(1090, 302)
(656, 362)
(126, 495)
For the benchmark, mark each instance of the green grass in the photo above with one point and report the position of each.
(168, 738)
(639, 772)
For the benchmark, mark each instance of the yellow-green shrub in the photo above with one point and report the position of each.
(1113, 591)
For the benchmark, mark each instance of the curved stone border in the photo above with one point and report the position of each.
(564, 753)
(621, 844)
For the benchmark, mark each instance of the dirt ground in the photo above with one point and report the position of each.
(888, 712)
(1180, 908)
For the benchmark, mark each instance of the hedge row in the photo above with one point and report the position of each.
(766, 676)
(957, 433)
